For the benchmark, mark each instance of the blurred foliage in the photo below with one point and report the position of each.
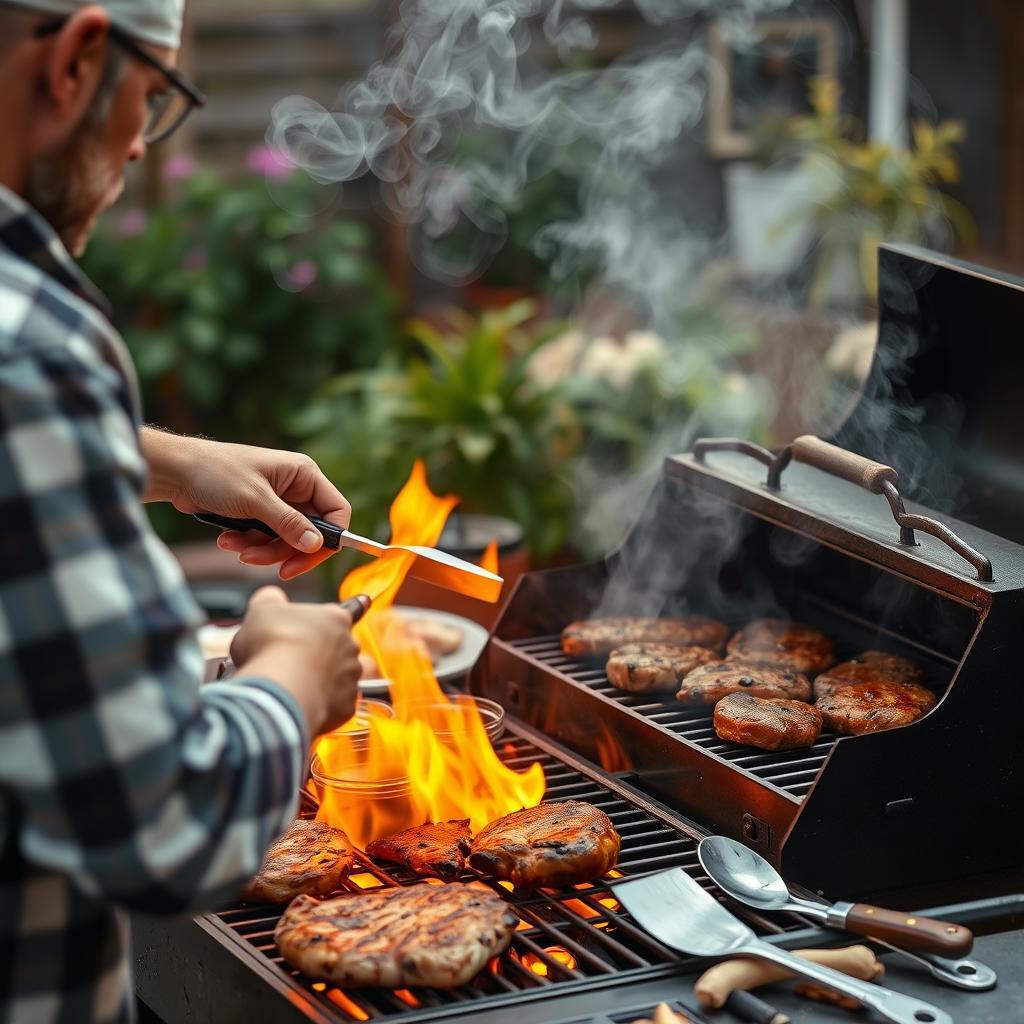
(237, 298)
(869, 192)
(468, 408)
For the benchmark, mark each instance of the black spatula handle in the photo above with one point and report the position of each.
(330, 533)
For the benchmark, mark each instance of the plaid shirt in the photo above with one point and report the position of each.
(122, 783)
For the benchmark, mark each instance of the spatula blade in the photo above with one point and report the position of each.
(677, 911)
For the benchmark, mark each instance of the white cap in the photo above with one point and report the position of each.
(149, 21)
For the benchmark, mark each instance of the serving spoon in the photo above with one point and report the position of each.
(747, 877)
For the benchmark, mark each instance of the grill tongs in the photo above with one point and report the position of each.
(428, 564)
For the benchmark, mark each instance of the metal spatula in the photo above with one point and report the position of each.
(676, 910)
(429, 564)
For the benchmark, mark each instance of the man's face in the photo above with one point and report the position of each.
(74, 185)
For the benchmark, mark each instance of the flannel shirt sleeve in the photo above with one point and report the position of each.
(150, 791)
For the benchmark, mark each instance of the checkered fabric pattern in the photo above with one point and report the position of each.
(122, 783)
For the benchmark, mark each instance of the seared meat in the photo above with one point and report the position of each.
(551, 845)
(647, 667)
(435, 848)
(601, 636)
(869, 667)
(786, 644)
(870, 707)
(769, 723)
(312, 857)
(438, 936)
(717, 679)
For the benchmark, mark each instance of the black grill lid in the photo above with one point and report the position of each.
(944, 400)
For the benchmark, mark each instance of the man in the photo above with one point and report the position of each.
(122, 783)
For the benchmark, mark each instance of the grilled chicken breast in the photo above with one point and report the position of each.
(858, 708)
(649, 667)
(550, 845)
(441, 638)
(437, 936)
(435, 848)
(601, 636)
(869, 667)
(709, 683)
(312, 857)
(769, 723)
(785, 644)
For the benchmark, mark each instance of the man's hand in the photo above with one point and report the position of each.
(244, 482)
(307, 649)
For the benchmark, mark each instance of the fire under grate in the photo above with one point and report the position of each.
(791, 772)
(566, 939)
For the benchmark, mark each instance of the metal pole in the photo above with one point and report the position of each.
(889, 58)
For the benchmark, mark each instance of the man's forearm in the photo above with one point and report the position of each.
(167, 455)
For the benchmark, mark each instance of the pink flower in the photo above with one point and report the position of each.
(303, 274)
(178, 167)
(194, 259)
(132, 223)
(269, 162)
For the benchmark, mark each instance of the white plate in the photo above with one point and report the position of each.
(451, 666)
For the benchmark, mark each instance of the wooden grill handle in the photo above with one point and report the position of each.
(909, 931)
(839, 462)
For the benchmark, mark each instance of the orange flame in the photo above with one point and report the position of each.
(557, 953)
(434, 760)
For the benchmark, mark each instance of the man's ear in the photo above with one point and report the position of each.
(73, 66)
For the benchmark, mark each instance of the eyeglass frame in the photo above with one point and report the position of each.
(194, 96)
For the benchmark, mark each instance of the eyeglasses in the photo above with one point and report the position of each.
(167, 109)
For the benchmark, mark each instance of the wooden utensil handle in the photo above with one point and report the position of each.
(842, 463)
(909, 931)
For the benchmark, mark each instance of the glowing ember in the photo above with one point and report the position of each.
(433, 761)
(354, 1010)
(365, 880)
(407, 997)
(557, 953)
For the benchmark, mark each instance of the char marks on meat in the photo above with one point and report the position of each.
(869, 667)
(601, 636)
(437, 936)
(311, 857)
(769, 723)
(435, 848)
(551, 845)
(783, 644)
(650, 667)
(857, 708)
(709, 683)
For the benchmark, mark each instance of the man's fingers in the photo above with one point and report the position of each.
(328, 502)
(268, 595)
(266, 554)
(239, 540)
(296, 565)
(290, 525)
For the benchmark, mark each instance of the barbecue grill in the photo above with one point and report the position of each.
(820, 535)
(874, 559)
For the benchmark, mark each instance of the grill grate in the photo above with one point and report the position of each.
(792, 772)
(564, 939)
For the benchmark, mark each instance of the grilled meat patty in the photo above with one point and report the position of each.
(785, 644)
(437, 936)
(435, 848)
(709, 683)
(869, 667)
(769, 723)
(550, 845)
(601, 636)
(857, 708)
(648, 667)
(311, 857)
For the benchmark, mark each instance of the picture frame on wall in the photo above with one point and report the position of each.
(763, 70)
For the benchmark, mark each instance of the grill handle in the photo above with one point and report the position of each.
(875, 477)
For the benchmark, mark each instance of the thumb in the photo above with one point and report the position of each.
(268, 596)
(291, 525)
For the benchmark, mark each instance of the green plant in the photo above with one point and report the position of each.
(872, 192)
(466, 405)
(237, 298)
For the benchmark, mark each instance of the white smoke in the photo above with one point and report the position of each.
(467, 65)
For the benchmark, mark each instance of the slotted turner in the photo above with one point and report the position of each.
(675, 909)
(429, 564)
